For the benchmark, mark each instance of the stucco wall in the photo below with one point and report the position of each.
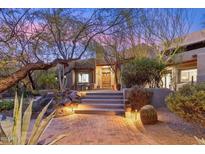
(188, 55)
(159, 96)
(201, 67)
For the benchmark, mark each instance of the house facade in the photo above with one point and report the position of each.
(188, 66)
(91, 74)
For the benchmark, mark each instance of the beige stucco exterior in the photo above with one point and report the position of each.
(193, 59)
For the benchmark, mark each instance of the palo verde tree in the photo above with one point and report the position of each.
(146, 33)
(38, 39)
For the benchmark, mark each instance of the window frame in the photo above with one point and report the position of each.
(180, 75)
(81, 73)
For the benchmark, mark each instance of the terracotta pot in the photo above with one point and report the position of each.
(118, 87)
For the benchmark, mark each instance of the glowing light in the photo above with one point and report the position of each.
(128, 115)
(134, 117)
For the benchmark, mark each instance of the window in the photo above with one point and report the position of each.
(188, 75)
(166, 80)
(83, 78)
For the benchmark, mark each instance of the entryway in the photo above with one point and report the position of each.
(106, 79)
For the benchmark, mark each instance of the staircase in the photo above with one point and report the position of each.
(109, 103)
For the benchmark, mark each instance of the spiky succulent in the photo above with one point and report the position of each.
(21, 124)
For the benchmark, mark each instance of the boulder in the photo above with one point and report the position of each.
(63, 111)
(2, 117)
(40, 103)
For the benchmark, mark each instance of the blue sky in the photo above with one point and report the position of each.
(198, 17)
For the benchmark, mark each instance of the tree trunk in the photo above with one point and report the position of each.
(116, 74)
(11, 80)
(33, 85)
(116, 78)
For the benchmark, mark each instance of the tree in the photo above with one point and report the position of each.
(165, 30)
(108, 49)
(113, 47)
(62, 79)
(44, 38)
(142, 72)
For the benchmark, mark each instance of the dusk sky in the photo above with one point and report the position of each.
(198, 18)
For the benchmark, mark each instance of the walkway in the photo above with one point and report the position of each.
(95, 129)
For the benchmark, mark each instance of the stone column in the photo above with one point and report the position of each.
(175, 77)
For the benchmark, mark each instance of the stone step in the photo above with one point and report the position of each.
(105, 111)
(100, 105)
(104, 93)
(102, 101)
(103, 97)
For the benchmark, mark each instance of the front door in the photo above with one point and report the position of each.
(106, 79)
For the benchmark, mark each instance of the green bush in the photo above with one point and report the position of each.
(6, 105)
(138, 97)
(143, 71)
(189, 103)
(47, 80)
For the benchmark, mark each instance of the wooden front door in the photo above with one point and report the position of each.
(106, 79)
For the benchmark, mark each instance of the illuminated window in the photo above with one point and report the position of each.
(188, 75)
(166, 80)
(83, 78)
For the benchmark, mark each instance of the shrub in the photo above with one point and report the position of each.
(138, 97)
(21, 124)
(142, 72)
(6, 105)
(189, 103)
(148, 115)
(46, 79)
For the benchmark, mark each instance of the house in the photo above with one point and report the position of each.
(91, 74)
(187, 66)
(97, 73)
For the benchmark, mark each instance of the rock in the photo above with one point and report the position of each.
(74, 95)
(40, 103)
(63, 111)
(62, 101)
(2, 117)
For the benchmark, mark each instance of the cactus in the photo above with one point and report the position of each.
(21, 125)
(148, 114)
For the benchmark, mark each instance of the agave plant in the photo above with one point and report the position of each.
(21, 124)
(200, 141)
